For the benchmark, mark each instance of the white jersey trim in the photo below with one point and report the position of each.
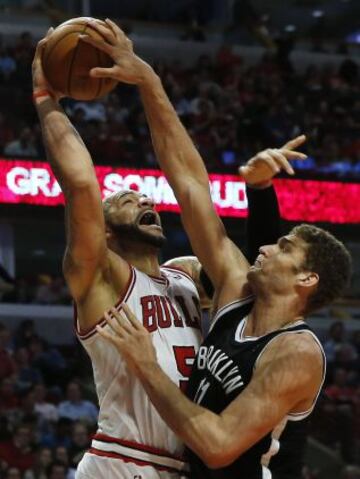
(229, 307)
(174, 269)
(102, 321)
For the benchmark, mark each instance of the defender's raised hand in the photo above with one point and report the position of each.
(128, 67)
(261, 168)
(130, 338)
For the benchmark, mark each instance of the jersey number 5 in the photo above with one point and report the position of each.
(184, 357)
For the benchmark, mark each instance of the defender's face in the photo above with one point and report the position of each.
(136, 210)
(278, 265)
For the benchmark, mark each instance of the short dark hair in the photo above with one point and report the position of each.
(328, 257)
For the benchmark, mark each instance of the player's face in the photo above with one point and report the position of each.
(134, 217)
(277, 266)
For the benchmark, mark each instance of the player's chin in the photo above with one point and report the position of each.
(153, 234)
(151, 229)
(253, 274)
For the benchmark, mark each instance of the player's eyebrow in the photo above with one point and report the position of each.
(285, 240)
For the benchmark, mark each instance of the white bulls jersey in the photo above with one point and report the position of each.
(129, 427)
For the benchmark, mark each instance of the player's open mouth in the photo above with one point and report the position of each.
(149, 218)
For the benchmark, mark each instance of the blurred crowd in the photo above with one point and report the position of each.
(45, 422)
(38, 289)
(48, 409)
(230, 108)
(336, 422)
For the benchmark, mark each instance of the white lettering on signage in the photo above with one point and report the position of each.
(39, 181)
(32, 181)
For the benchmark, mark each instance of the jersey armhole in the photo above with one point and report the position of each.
(88, 333)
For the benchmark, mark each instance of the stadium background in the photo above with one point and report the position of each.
(243, 76)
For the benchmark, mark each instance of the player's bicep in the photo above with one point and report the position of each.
(284, 380)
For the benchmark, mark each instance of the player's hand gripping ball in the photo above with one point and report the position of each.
(67, 61)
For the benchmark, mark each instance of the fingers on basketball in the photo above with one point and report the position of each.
(103, 30)
(99, 44)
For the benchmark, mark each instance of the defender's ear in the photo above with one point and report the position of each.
(307, 279)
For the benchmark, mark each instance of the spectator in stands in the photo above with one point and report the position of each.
(24, 333)
(340, 391)
(9, 400)
(7, 65)
(57, 470)
(51, 290)
(80, 442)
(7, 364)
(6, 136)
(42, 461)
(46, 410)
(337, 342)
(18, 451)
(75, 407)
(13, 473)
(48, 360)
(27, 375)
(60, 436)
(61, 454)
(24, 145)
(93, 111)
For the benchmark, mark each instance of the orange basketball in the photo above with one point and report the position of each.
(67, 61)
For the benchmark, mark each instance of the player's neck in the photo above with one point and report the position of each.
(142, 256)
(146, 262)
(270, 314)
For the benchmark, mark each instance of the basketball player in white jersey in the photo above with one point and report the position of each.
(261, 364)
(111, 258)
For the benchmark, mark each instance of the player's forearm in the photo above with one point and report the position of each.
(199, 428)
(175, 150)
(66, 152)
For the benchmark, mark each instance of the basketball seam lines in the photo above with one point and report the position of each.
(56, 44)
(100, 84)
(73, 60)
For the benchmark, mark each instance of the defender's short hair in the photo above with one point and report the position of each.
(329, 258)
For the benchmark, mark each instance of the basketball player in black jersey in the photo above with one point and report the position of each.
(260, 366)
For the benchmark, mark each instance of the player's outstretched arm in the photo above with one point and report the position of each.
(182, 164)
(219, 439)
(86, 252)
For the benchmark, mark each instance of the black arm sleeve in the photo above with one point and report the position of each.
(263, 226)
(263, 223)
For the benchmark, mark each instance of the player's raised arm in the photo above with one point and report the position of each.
(86, 254)
(181, 163)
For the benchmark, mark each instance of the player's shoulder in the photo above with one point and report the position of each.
(184, 267)
(301, 350)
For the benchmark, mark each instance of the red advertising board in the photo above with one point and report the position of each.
(32, 182)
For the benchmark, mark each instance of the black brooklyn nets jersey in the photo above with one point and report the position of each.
(222, 369)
